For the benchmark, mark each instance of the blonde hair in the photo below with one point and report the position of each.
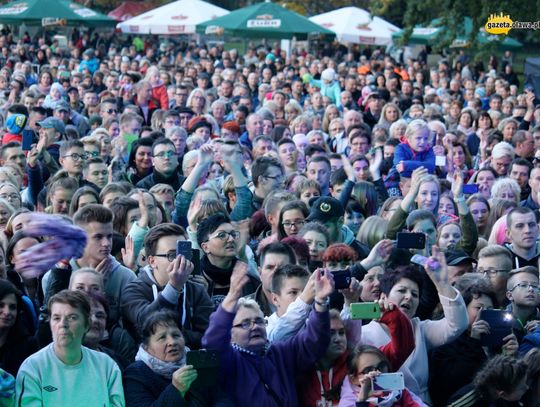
(372, 230)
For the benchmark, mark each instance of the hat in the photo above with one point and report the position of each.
(180, 110)
(203, 75)
(455, 257)
(328, 75)
(71, 89)
(271, 57)
(53, 123)
(325, 208)
(198, 122)
(232, 126)
(62, 105)
(15, 123)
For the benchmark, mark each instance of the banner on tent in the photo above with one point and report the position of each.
(51, 21)
(264, 23)
(15, 9)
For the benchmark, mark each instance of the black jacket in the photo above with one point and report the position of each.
(175, 180)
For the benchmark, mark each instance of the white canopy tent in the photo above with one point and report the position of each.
(355, 25)
(179, 17)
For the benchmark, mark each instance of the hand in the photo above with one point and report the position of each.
(511, 345)
(529, 97)
(379, 254)
(439, 151)
(531, 326)
(128, 253)
(375, 164)
(324, 284)
(400, 167)
(457, 184)
(206, 155)
(33, 156)
(239, 278)
(365, 384)
(179, 271)
(105, 266)
(352, 294)
(347, 167)
(308, 293)
(385, 304)
(147, 217)
(437, 270)
(417, 177)
(479, 328)
(183, 378)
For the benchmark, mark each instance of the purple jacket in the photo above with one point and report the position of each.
(242, 372)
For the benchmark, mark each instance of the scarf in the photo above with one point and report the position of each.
(217, 275)
(158, 366)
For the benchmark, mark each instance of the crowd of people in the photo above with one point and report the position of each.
(225, 195)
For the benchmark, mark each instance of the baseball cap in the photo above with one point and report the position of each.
(62, 105)
(457, 256)
(15, 123)
(53, 123)
(325, 208)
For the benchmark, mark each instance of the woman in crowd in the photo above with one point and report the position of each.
(292, 218)
(160, 375)
(65, 363)
(403, 288)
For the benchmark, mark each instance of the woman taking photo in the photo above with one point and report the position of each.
(71, 373)
(160, 376)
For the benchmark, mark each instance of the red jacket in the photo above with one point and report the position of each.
(160, 99)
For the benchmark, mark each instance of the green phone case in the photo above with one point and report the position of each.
(365, 310)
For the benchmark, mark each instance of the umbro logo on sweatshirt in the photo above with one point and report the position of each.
(50, 388)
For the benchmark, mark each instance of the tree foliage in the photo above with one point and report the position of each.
(409, 13)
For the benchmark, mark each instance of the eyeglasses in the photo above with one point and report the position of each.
(173, 122)
(77, 157)
(165, 154)
(296, 224)
(525, 286)
(490, 272)
(171, 256)
(180, 94)
(225, 235)
(248, 323)
(111, 111)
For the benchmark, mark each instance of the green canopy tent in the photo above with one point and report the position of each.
(427, 35)
(263, 20)
(52, 12)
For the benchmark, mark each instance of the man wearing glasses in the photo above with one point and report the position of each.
(524, 295)
(221, 243)
(165, 161)
(164, 284)
(108, 110)
(495, 263)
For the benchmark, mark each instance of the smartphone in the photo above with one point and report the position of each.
(469, 189)
(407, 240)
(183, 247)
(206, 362)
(196, 260)
(314, 265)
(500, 325)
(27, 139)
(365, 310)
(388, 382)
(342, 278)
